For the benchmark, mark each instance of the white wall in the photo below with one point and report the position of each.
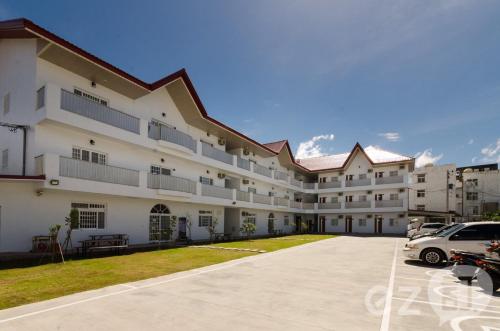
(435, 188)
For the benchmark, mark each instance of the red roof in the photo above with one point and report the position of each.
(276, 146)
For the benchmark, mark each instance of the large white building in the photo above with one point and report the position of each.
(131, 156)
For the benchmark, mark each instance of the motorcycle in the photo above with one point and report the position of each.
(460, 259)
(488, 276)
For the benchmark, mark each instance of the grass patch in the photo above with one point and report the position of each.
(20, 286)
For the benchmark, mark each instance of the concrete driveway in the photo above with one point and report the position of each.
(345, 283)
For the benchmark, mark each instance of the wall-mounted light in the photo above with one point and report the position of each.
(92, 142)
(54, 182)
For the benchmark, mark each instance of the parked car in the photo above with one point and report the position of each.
(433, 233)
(425, 228)
(469, 237)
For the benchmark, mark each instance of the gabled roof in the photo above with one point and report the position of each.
(375, 155)
(24, 28)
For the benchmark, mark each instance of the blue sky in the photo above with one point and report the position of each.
(421, 78)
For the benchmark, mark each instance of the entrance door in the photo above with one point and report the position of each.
(298, 222)
(182, 228)
(322, 224)
(378, 224)
(159, 223)
(348, 224)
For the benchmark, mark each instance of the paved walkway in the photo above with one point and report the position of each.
(335, 284)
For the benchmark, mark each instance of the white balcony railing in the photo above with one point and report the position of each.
(389, 180)
(166, 133)
(216, 191)
(93, 110)
(280, 202)
(295, 182)
(307, 205)
(324, 185)
(261, 170)
(216, 154)
(358, 182)
(280, 175)
(260, 198)
(388, 203)
(329, 205)
(242, 196)
(69, 167)
(171, 183)
(357, 204)
(309, 186)
(295, 204)
(243, 164)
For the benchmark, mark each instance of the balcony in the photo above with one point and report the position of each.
(295, 182)
(307, 205)
(329, 205)
(171, 183)
(388, 203)
(166, 133)
(216, 192)
(260, 198)
(243, 164)
(69, 167)
(357, 204)
(358, 182)
(295, 204)
(242, 196)
(325, 185)
(93, 110)
(280, 175)
(280, 202)
(261, 170)
(389, 180)
(309, 186)
(216, 154)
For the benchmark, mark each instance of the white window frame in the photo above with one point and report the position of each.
(205, 218)
(159, 170)
(393, 173)
(206, 180)
(78, 152)
(91, 96)
(420, 178)
(362, 222)
(420, 193)
(472, 196)
(91, 209)
(394, 196)
(421, 207)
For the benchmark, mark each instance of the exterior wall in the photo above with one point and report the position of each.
(487, 190)
(437, 193)
(400, 225)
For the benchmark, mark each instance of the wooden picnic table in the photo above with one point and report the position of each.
(104, 242)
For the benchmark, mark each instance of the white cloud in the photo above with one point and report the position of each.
(391, 136)
(491, 153)
(471, 141)
(426, 157)
(312, 148)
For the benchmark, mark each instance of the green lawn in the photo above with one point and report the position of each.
(20, 286)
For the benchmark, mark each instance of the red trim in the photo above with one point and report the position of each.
(23, 27)
(20, 177)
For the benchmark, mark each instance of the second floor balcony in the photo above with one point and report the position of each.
(388, 203)
(358, 182)
(329, 205)
(216, 154)
(261, 170)
(162, 132)
(332, 184)
(281, 202)
(216, 191)
(171, 183)
(389, 180)
(357, 204)
(261, 198)
(280, 175)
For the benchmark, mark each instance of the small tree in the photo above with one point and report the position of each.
(72, 223)
(248, 228)
(212, 228)
(304, 226)
(492, 216)
(189, 223)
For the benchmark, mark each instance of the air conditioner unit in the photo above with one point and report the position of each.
(246, 151)
(401, 190)
(401, 215)
(341, 194)
(369, 216)
(370, 170)
(401, 166)
(221, 175)
(368, 192)
(245, 181)
(341, 216)
(341, 173)
(221, 141)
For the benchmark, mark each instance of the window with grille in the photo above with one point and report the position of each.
(206, 180)
(252, 190)
(334, 222)
(362, 198)
(88, 156)
(362, 176)
(472, 196)
(362, 222)
(334, 199)
(335, 179)
(393, 222)
(420, 193)
(91, 216)
(5, 159)
(349, 177)
(249, 217)
(393, 173)
(204, 218)
(322, 179)
(157, 170)
(379, 174)
(394, 196)
(90, 96)
(421, 207)
(421, 178)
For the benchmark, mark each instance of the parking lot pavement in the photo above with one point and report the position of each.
(345, 283)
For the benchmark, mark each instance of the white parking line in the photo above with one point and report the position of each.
(448, 305)
(384, 326)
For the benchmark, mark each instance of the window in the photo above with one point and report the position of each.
(348, 198)
(334, 199)
(379, 174)
(252, 190)
(91, 216)
(206, 180)
(478, 232)
(271, 194)
(286, 220)
(362, 176)
(322, 200)
(89, 156)
(420, 193)
(6, 103)
(157, 170)
(471, 195)
(362, 198)
(249, 218)
(90, 96)
(393, 222)
(40, 98)
(204, 218)
(322, 179)
(393, 173)
(349, 177)
(379, 197)
(394, 196)
(472, 181)
(421, 207)
(335, 179)
(421, 178)
(334, 222)
(5, 159)
(362, 222)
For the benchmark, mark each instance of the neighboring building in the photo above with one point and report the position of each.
(433, 193)
(478, 192)
(132, 156)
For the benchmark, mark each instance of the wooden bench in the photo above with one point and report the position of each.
(104, 242)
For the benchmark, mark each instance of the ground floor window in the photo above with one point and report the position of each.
(204, 218)
(362, 222)
(393, 222)
(334, 222)
(90, 215)
(249, 217)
